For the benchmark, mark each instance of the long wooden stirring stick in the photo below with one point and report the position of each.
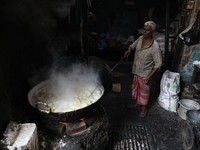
(108, 74)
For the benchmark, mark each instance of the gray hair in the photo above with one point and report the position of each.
(151, 24)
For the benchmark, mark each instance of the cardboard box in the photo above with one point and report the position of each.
(116, 87)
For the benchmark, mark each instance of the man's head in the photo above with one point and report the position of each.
(149, 28)
(151, 24)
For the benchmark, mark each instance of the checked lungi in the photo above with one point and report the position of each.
(140, 90)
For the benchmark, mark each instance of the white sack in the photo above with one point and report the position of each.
(169, 89)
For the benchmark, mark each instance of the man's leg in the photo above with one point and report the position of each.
(134, 93)
(143, 97)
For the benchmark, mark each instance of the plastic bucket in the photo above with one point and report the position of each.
(194, 117)
(187, 104)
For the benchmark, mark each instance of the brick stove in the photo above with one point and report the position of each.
(88, 133)
(87, 126)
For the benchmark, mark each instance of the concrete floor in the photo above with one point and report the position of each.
(163, 126)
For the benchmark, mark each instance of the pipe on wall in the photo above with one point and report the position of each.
(166, 61)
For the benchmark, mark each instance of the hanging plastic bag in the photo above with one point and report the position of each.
(192, 36)
(169, 90)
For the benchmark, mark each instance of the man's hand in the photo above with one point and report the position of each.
(146, 79)
(127, 53)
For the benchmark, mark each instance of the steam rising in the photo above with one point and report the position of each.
(75, 87)
(74, 79)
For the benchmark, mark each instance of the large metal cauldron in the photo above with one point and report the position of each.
(46, 111)
(72, 116)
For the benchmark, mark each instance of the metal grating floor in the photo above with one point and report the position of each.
(129, 137)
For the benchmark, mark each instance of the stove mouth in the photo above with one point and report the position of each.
(90, 132)
(72, 128)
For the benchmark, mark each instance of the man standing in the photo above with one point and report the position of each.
(147, 60)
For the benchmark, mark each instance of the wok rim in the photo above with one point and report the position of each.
(45, 82)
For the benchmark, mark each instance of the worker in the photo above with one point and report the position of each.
(147, 61)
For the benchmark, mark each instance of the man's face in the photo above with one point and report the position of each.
(147, 32)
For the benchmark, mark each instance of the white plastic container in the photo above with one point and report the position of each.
(187, 104)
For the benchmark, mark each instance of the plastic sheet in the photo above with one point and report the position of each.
(192, 36)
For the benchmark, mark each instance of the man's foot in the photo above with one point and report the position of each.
(143, 114)
(133, 106)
